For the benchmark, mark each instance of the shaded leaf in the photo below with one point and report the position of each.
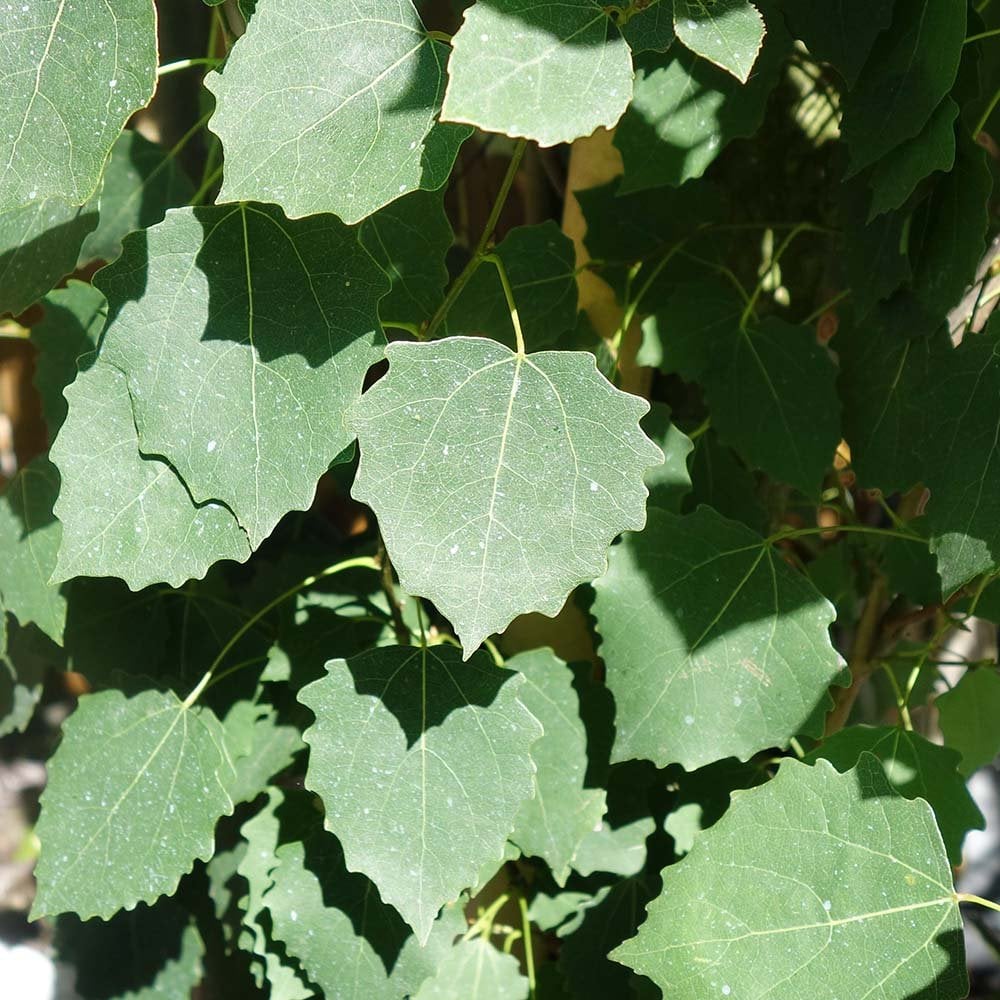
(353, 128)
(259, 355)
(619, 850)
(915, 768)
(72, 75)
(714, 646)
(802, 875)
(650, 28)
(720, 480)
(896, 175)
(141, 181)
(501, 491)
(911, 68)
(685, 111)
(541, 266)
(409, 239)
(39, 244)
(728, 33)
(968, 714)
(29, 539)
(554, 823)
(422, 764)
(670, 482)
(142, 525)
(134, 778)
(72, 324)
(551, 72)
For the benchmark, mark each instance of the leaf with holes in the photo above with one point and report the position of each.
(260, 352)
(714, 646)
(798, 878)
(543, 70)
(137, 786)
(72, 74)
(502, 490)
(422, 763)
(353, 128)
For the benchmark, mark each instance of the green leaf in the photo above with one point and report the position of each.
(409, 240)
(968, 714)
(158, 953)
(554, 823)
(134, 779)
(39, 243)
(551, 72)
(953, 238)
(721, 481)
(541, 266)
(840, 33)
(260, 745)
(619, 850)
(71, 327)
(911, 68)
(714, 646)
(313, 889)
(963, 513)
(353, 128)
(422, 764)
(23, 668)
(141, 181)
(72, 75)
(896, 176)
(650, 28)
(475, 970)
(259, 356)
(915, 768)
(771, 389)
(508, 477)
(686, 111)
(802, 875)
(29, 540)
(728, 33)
(141, 525)
(670, 482)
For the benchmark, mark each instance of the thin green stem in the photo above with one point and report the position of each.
(360, 562)
(858, 529)
(901, 699)
(411, 328)
(700, 429)
(484, 923)
(206, 185)
(748, 311)
(440, 36)
(477, 254)
(420, 623)
(248, 662)
(985, 116)
(181, 64)
(829, 304)
(992, 33)
(498, 659)
(968, 897)
(529, 954)
(508, 292)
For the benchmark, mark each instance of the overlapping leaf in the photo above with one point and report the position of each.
(136, 787)
(260, 350)
(39, 243)
(916, 768)
(72, 74)
(422, 763)
(968, 714)
(353, 128)
(502, 487)
(548, 71)
(29, 539)
(475, 970)
(794, 883)
(714, 647)
(541, 267)
(141, 524)
(554, 822)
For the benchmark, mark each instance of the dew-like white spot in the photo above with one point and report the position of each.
(737, 700)
(484, 38)
(211, 446)
(826, 905)
(688, 720)
(593, 487)
(453, 550)
(294, 914)
(726, 990)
